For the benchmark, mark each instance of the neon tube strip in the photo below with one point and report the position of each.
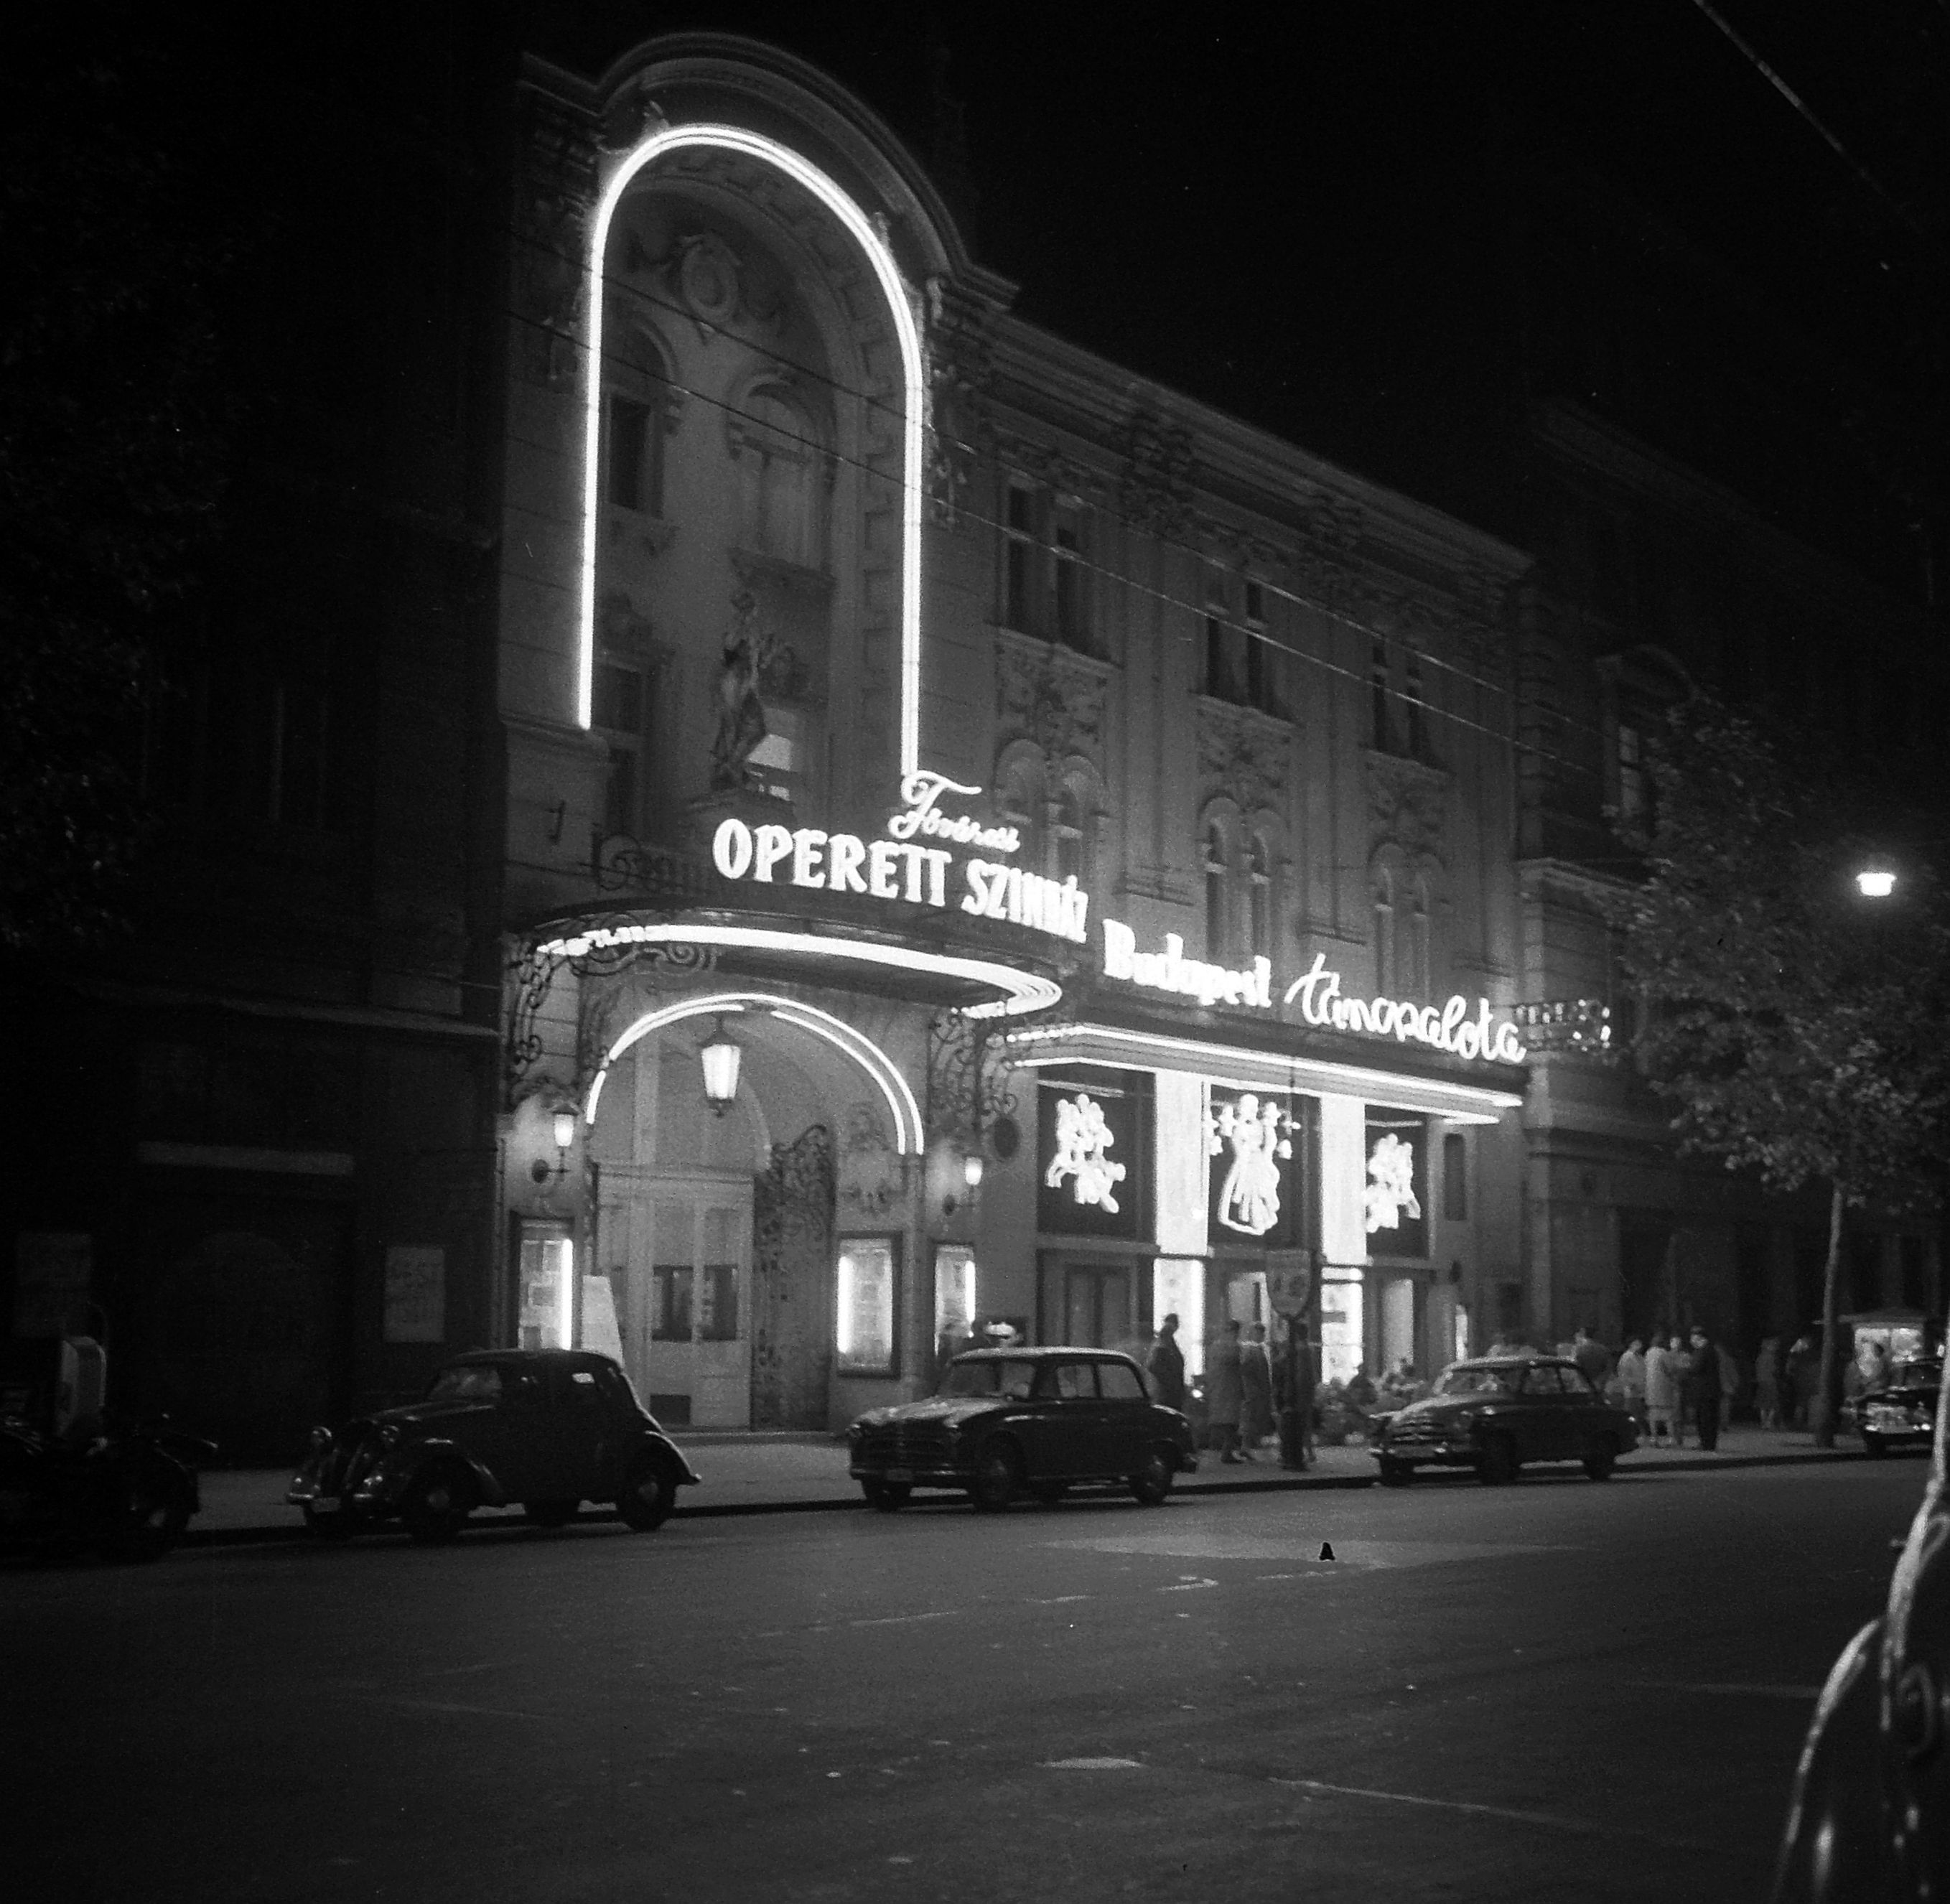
(901, 1104)
(1308, 1076)
(735, 138)
(1021, 991)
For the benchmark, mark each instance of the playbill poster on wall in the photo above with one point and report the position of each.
(416, 1293)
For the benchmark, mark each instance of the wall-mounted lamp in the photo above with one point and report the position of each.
(720, 1060)
(971, 1175)
(562, 1128)
(1876, 879)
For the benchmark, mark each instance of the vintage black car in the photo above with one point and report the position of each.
(1898, 1412)
(1501, 1414)
(1039, 1420)
(548, 1429)
(1870, 1816)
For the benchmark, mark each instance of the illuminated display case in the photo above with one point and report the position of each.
(1256, 1170)
(546, 1285)
(866, 1277)
(1396, 1194)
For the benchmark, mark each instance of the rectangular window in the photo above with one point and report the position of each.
(1631, 773)
(629, 435)
(619, 703)
(1455, 1177)
(1066, 552)
(1413, 710)
(1018, 557)
(863, 1323)
(547, 1286)
(953, 1295)
(670, 1311)
(1382, 724)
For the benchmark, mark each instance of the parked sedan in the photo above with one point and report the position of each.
(1870, 1816)
(548, 1428)
(1500, 1414)
(1008, 1421)
(1899, 1412)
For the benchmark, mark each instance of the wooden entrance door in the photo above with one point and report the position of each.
(690, 1321)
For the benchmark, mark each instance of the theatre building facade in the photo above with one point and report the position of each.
(995, 851)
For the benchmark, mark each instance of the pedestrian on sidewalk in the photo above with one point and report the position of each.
(1661, 1395)
(1704, 1387)
(1165, 1365)
(1593, 1357)
(1732, 1379)
(1256, 1392)
(1766, 1382)
(1630, 1377)
(1222, 1395)
(1803, 1365)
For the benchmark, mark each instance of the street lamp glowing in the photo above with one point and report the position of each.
(565, 1128)
(1875, 882)
(971, 1170)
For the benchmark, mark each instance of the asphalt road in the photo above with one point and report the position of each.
(1555, 1691)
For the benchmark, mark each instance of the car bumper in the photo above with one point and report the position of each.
(935, 1476)
(1450, 1454)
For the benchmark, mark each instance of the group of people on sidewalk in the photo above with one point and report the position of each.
(1244, 1386)
(1671, 1383)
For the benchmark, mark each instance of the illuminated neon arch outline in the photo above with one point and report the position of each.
(855, 1045)
(756, 145)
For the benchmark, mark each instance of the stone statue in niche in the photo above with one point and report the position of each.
(741, 712)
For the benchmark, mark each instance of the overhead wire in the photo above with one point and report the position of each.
(1098, 568)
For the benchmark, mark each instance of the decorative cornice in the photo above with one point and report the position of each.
(1408, 803)
(1048, 694)
(1242, 755)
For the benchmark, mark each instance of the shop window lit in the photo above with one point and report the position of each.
(862, 1334)
(1341, 1323)
(547, 1272)
(954, 1294)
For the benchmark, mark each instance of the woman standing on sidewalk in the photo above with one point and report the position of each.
(1766, 1382)
(1630, 1376)
(1223, 1393)
(1661, 1396)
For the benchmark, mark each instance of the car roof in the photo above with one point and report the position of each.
(1045, 1352)
(570, 1358)
(1515, 1361)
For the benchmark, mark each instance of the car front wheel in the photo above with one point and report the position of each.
(1600, 1458)
(1872, 1444)
(437, 1506)
(647, 1498)
(1152, 1482)
(1396, 1474)
(998, 1473)
(887, 1497)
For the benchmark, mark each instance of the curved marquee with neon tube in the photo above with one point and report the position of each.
(1016, 991)
(886, 1075)
(880, 259)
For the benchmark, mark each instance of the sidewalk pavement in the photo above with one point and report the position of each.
(771, 1473)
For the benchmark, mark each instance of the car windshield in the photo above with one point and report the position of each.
(1007, 1377)
(1476, 1381)
(471, 1381)
(1916, 1375)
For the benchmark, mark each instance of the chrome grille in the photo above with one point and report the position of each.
(905, 1444)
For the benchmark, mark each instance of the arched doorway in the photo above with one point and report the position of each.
(713, 1232)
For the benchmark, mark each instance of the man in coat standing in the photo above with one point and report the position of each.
(1223, 1394)
(1165, 1365)
(1705, 1386)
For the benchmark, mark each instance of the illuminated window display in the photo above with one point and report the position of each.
(954, 1297)
(863, 1328)
(1094, 1154)
(1341, 1322)
(1395, 1199)
(547, 1286)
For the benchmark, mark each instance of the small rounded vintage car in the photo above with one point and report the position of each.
(544, 1428)
(1870, 1814)
(1899, 1411)
(1501, 1414)
(1008, 1421)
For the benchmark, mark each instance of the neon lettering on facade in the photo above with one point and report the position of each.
(1451, 1027)
(897, 870)
(1170, 970)
(920, 791)
(736, 139)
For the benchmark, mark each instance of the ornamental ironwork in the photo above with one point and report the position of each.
(967, 1077)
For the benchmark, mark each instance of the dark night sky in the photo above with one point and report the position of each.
(1297, 217)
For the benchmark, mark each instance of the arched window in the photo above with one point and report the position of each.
(1069, 825)
(1384, 932)
(1021, 798)
(779, 459)
(1420, 980)
(1218, 879)
(1259, 894)
(636, 410)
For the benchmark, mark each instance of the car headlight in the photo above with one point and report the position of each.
(320, 1440)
